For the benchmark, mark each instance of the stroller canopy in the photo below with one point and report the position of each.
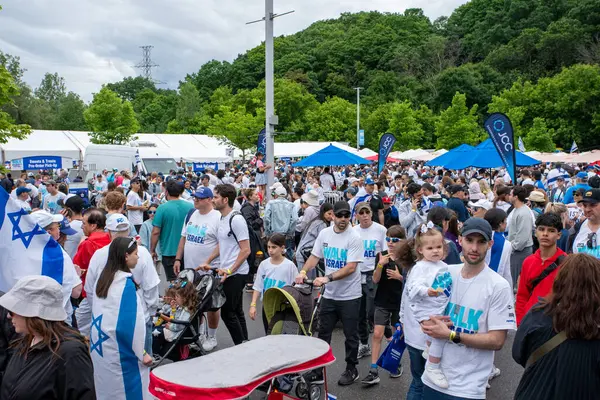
(291, 298)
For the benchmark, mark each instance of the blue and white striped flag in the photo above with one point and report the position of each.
(574, 148)
(27, 249)
(117, 342)
(521, 145)
(331, 396)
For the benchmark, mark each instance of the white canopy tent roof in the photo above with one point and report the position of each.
(430, 156)
(303, 149)
(366, 152)
(408, 154)
(41, 143)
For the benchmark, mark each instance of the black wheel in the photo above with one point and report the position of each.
(302, 390)
(315, 392)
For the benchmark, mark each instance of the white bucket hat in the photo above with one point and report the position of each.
(36, 296)
(311, 198)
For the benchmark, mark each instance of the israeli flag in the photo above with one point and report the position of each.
(27, 249)
(574, 148)
(331, 396)
(117, 342)
(521, 145)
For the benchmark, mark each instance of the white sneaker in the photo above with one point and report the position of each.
(202, 339)
(210, 343)
(436, 376)
(495, 373)
(426, 353)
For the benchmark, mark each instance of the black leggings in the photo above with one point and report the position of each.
(232, 312)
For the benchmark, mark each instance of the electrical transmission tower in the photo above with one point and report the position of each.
(147, 64)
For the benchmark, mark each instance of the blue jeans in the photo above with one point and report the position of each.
(431, 394)
(417, 366)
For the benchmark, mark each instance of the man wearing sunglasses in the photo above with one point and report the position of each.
(341, 248)
(588, 237)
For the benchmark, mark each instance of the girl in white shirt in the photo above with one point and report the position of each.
(275, 271)
(428, 291)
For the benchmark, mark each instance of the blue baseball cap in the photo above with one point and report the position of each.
(369, 181)
(203, 193)
(65, 228)
(22, 190)
(582, 175)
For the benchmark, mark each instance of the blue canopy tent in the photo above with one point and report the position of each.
(333, 156)
(483, 155)
(445, 158)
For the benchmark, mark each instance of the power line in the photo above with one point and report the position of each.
(147, 64)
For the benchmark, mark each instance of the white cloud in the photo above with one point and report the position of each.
(94, 42)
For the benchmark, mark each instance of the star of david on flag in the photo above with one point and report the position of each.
(96, 332)
(26, 248)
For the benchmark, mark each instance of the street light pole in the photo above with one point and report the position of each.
(357, 117)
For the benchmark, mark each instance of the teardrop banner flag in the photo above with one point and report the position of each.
(261, 146)
(386, 143)
(501, 132)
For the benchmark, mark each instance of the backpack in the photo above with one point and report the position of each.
(256, 244)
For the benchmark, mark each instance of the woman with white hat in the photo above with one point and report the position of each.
(51, 360)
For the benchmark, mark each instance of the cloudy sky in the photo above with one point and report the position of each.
(91, 42)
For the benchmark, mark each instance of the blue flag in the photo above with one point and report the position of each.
(574, 148)
(261, 146)
(386, 143)
(501, 132)
(521, 145)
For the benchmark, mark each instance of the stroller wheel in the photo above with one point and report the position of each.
(302, 390)
(315, 392)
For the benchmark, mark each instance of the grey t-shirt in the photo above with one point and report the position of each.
(520, 230)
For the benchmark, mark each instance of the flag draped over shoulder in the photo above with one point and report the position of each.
(27, 249)
(117, 342)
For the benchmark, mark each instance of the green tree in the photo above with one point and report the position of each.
(236, 126)
(129, 87)
(69, 116)
(458, 124)
(539, 137)
(333, 120)
(404, 125)
(188, 104)
(8, 89)
(209, 77)
(110, 119)
(52, 88)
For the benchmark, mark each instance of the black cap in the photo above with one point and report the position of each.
(341, 206)
(75, 203)
(477, 225)
(594, 181)
(591, 196)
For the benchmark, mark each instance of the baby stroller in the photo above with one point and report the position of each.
(292, 310)
(187, 344)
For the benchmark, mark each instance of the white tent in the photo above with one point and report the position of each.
(41, 143)
(366, 152)
(408, 154)
(430, 156)
(303, 149)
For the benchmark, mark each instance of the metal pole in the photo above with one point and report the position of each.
(269, 89)
(357, 118)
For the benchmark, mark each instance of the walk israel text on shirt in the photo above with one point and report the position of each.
(27, 249)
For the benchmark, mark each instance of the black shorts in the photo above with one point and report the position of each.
(384, 316)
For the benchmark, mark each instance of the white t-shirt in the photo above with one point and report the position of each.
(200, 238)
(144, 274)
(477, 305)
(581, 241)
(337, 250)
(229, 248)
(373, 240)
(51, 202)
(270, 275)
(72, 241)
(424, 275)
(24, 204)
(327, 182)
(136, 217)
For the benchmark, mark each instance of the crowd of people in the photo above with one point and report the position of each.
(457, 258)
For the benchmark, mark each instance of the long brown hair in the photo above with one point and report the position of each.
(117, 251)
(574, 303)
(53, 333)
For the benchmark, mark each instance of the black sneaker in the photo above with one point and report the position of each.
(315, 376)
(348, 377)
(398, 372)
(371, 379)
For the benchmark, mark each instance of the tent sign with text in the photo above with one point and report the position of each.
(501, 132)
(386, 143)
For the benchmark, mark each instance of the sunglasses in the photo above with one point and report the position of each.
(393, 240)
(151, 212)
(363, 212)
(343, 214)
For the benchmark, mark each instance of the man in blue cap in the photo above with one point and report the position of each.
(23, 198)
(581, 180)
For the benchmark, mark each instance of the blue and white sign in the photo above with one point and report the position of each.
(42, 162)
(361, 137)
(200, 167)
(83, 193)
(16, 164)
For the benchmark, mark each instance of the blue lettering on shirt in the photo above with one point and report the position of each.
(335, 258)
(269, 283)
(464, 319)
(370, 247)
(196, 234)
(443, 282)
